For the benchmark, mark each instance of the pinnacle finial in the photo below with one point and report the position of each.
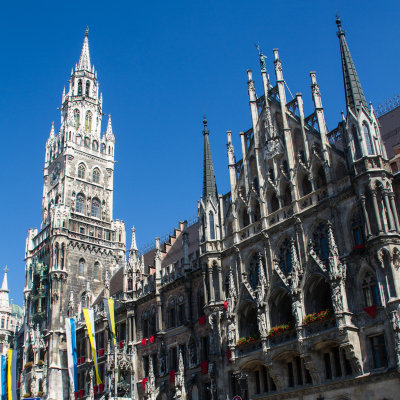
(6, 269)
(87, 32)
(339, 25)
(205, 130)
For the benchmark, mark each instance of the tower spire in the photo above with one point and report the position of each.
(209, 184)
(4, 286)
(352, 86)
(84, 60)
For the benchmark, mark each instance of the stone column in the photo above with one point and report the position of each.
(388, 210)
(365, 214)
(376, 210)
(220, 282)
(205, 287)
(211, 283)
(394, 211)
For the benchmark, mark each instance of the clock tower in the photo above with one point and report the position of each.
(78, 243)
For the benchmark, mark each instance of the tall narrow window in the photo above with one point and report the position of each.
(80, 204)
(80, 87)
(76, 118)
(370, 291)
(321, 242)
(87, 88)
(212, 227)
(379, 354)
(88, 122)
(81, 267)
(368, 141)
(95, 211)
(96, 269)
(96, 175)
(81, 171)
(285, 262)
(357, 147)
(357, 231)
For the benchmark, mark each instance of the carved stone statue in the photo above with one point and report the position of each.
(231, 333)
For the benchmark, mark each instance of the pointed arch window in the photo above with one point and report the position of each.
(368, 141)
(96, 175)
(81, 267)
(76, 118)
(321, 242)
(254, 270)
(285, 257)
(356, 228)
(80, 87)
(87, 88)
(88, 122)
(212, 226)
(81, 171)
(96, 270)
(95, 210)
(370, 290)
(80, 204)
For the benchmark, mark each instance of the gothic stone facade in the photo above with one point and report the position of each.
(287, 287)
(78, 243)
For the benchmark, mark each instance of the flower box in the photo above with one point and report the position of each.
(28, 365)
(144, 342)
(26, 395)
(152, 339)
(318, 316)
(82, 359)
(101, 352)
(279, 329)
(40, 362)
(144, 381)
(248, 340)
(40, 394)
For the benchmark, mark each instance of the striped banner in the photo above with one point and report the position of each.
(3, 378)
(89, 319)
(109, 308)
(70, 329)
(12, 375)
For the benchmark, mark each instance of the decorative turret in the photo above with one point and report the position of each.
(209, 205)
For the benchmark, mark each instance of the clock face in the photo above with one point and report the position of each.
(55, 173)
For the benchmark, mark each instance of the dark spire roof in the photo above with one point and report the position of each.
(209, 185)
(352, 85)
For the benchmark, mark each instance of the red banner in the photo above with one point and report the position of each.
(371, 311)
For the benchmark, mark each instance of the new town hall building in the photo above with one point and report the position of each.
(287, 287)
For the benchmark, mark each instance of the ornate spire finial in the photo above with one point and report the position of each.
(6, 269)
(87, 32)
(339, 25)
(84, 60)
(205, 130)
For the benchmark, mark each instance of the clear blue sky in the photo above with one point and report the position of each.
(161, 65)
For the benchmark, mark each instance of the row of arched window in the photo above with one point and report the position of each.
(83, 269)
(94, 206)
(80, 88)
(95, 173)
(88, 120)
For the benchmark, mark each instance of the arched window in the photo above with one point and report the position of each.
(321, 179)
(274, 203)
(96, 270)
(171, 314)
(368, 141)
(212, 227)
(245, 218)
(85, 300)
(81, 267)
(80, 204)
(357, 147)
(81, 171)
(285, 257)
(370, 290)
(87, 142)
(87, 88)
(80, 87)
(95, 145)
(96, 175)
(321, 242)
(254, 270)
(356, 228)
(287, 196)
(281, 308)
(88, 122)
(306, 186)
(95, 210)
(76, 118)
